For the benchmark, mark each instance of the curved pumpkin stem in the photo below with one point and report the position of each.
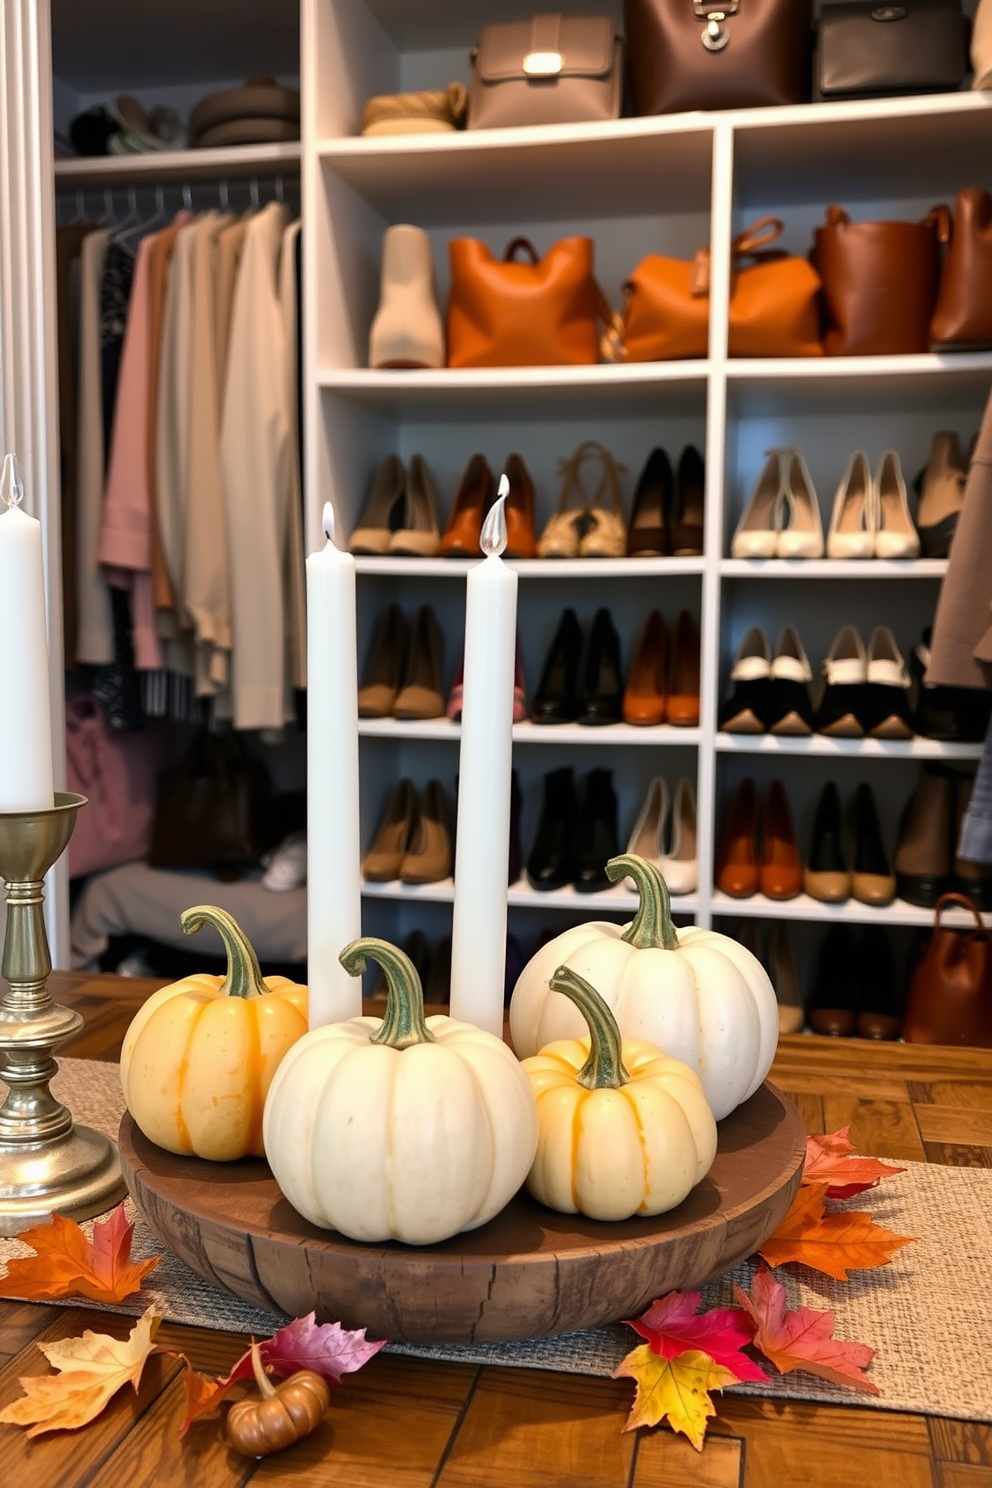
(404, 1022)
(603, 1070)
(651, 928)
(244, 975)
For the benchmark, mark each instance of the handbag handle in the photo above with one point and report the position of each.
(938, 217)
(760, 234)
(966, 903)
(516, 243)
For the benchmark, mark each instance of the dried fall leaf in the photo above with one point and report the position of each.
(325, 1348)
(831, 1159)
(832, 1243)
(91, 1369)
(672, 1326)
(66, 1264)
(803, 1338)
(673, 1390)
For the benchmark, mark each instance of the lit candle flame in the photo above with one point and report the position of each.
(11, 482)
(492, 539)
(329, 522)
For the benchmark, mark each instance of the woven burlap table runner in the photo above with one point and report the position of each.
(928, 1314)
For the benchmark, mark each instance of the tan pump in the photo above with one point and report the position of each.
(407, 330)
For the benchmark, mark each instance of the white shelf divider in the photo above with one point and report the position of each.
(614, 900)
(442, 730)
(832, 568)
(805, 908)
(821, 745)
(237, 161)
(536, 568)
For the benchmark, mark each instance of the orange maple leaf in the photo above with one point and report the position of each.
(66, 1264)
(802, 1338)
(830, 1159)
(832, 1243)
(90, 1370)
(203, 1394)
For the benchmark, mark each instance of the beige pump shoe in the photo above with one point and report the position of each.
(895, 535)
(407, 330)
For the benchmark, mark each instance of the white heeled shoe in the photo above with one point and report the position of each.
(680, 865)
(407, 330)
(895, 535)
(852, 526)
(646, 839)
(801, 535)
(757, 531)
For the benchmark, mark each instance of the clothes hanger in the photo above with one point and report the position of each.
(253, 192)
(222, 194)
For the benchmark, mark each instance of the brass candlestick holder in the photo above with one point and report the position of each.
(47, 1163)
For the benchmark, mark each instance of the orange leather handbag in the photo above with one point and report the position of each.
(774, 304)
(950, 991)
(963, 316)
(542, 312)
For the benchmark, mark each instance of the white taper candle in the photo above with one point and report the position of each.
(478, 935)
(334, 904)
(26, 779)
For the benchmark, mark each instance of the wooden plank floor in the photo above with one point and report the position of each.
(412, 1424)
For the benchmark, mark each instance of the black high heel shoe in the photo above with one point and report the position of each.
(557, 697)
(551, 862)
(601, 696)
(596, 839)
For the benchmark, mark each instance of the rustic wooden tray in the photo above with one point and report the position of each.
(528, 1272)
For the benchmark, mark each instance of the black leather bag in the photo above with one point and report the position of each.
(875, 50)
(212, 810)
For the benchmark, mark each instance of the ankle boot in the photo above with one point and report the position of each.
(550, 864)
(407, 330)
(924, 859)
(596, 838)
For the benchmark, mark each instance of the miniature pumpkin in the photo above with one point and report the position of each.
(285, 1414)
(698, 995)
(200, 1054)
(622, 1129)
(399, 1128)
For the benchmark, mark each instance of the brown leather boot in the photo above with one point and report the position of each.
(924, 855)
(428, 857)
(383, 674)
(422, 693)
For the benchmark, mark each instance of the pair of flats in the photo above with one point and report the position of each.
(665, 834)
(870, 517)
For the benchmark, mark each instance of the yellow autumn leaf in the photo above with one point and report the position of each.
(676, 1390)
(90, 1370)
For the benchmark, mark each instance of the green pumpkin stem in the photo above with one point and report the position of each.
(603, 1070)
(651, 928)
(244, 975)
(404, 1023)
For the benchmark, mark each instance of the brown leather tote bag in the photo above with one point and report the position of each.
(774, 303)
(212, 810)
(963, 316)
(717, 54)
(539, 313)
(879, 282)
(950, 991)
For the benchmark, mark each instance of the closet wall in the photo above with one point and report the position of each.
(668, 185)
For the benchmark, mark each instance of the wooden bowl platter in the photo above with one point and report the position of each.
(527, 1273)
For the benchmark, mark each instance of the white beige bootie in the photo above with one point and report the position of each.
(407, 330)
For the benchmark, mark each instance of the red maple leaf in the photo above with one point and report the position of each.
(326, 1348)
(66, 1264)
(672, 1326)
(829, 1160)
(802, 1338)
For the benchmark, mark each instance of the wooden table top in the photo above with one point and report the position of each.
(408, 1423)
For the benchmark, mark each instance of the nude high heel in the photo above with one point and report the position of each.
(851, 533)
(895, 535)
(757, 531)
(802, 531)
(407, 330)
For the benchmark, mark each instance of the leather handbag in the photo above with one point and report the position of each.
(212, 810)
(553, 69)
(716, 54)
(950, 990)
(503, 313)
(879, 282)
(963, 314)
(870, 50)
(117, 771)
(774, 304)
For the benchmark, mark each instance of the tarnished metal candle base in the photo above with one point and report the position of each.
(47, 1163)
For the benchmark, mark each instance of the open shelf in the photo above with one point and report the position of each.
(805, 908)
(614, 900)
(833, 568)
(819, 744)
(240, 161)
(443, 730)
(535, 568)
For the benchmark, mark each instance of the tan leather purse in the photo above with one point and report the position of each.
(950, 991)
(553, 69)
(774, 306)
(542, 312)
(879, 282)
(963, 315)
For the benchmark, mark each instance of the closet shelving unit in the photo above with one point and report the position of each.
(669, 185)
(234, 162)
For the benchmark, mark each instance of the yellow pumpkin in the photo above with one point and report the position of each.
(199, 1056)
(622, 1129)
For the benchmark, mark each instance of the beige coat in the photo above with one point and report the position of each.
(961, 649)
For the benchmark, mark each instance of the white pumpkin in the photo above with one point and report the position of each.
(399, 1128)
(699, 996)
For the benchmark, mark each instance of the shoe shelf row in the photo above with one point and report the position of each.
(667, 185)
